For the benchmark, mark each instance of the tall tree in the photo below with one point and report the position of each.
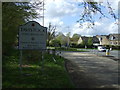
(90, 41)
(13, 15)
(75, 38)
(51, 33)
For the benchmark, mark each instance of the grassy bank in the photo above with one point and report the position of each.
(68, 49)
(51, 75)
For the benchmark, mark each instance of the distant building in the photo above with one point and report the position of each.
(84, 39)
(103, 39)
(74, 40)
(114, 39)
(111, 39)
(96, 41)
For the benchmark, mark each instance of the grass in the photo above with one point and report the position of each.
(51, 75)
(70, 49)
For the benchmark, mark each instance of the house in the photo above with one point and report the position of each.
(114, 39)
(103, 39)
(83, 39)
(96, 41)
(111, 39)
(75, 38)
(62, 38)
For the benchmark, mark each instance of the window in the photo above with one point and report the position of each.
(111, 43)
(100, 38)
(119, 43)
(112, 38)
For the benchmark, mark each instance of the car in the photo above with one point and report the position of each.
(102, 48)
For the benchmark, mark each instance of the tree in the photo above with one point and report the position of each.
(13, 15)
(51, 33)
(83, 43)
(91, 8)
(75, 38)
(62, 38)
(90, 42)
(55, 43)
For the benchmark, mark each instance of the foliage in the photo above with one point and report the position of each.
(51, 33)
(80, 46)
(53, 74)
(84, 43)
(75, 38)
(55, 43)
(91, 8)
(62, 38)
(90, 42)
(70, 49)
(73, 45)
(13, 15)
(117, 47)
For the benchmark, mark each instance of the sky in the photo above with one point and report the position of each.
(65, 13)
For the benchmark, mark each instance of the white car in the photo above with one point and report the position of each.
(102, 48)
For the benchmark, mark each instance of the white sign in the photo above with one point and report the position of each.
(32, 36)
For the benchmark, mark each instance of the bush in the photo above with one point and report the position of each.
(113, 47)
(73, 45)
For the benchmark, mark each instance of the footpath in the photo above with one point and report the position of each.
(91, 71)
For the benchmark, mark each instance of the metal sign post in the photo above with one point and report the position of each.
(42, 62)
(20, 61)
(32, 36)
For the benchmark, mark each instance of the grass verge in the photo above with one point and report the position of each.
(71, 49)
(51, 75)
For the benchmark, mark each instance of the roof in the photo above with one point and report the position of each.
(84, 38)
(95, 39)
(114, 36)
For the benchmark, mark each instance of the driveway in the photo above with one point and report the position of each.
(90, 71)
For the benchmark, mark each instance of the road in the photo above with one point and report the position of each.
(98, 72)
(114, 53)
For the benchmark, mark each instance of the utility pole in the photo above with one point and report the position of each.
(43, 12)
(68, 39)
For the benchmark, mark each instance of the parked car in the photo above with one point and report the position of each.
(102, 48)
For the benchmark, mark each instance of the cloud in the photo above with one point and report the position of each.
(57, 10)
(104, 27)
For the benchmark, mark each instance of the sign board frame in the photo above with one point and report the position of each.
(32, 36)
(27, 35)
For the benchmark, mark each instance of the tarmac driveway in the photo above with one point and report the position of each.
(91, 71)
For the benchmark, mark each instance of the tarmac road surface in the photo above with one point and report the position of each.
(95, 71)
(115, 53)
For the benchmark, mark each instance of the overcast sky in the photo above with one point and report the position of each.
(65, 13)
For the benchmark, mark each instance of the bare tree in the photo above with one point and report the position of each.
(51, 33)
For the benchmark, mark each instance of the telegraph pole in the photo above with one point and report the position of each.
(43, 12)
(68, 39)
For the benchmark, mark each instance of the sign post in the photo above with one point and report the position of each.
(20, 61)
(32, 36)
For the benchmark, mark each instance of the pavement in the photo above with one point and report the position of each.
(88, 70)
